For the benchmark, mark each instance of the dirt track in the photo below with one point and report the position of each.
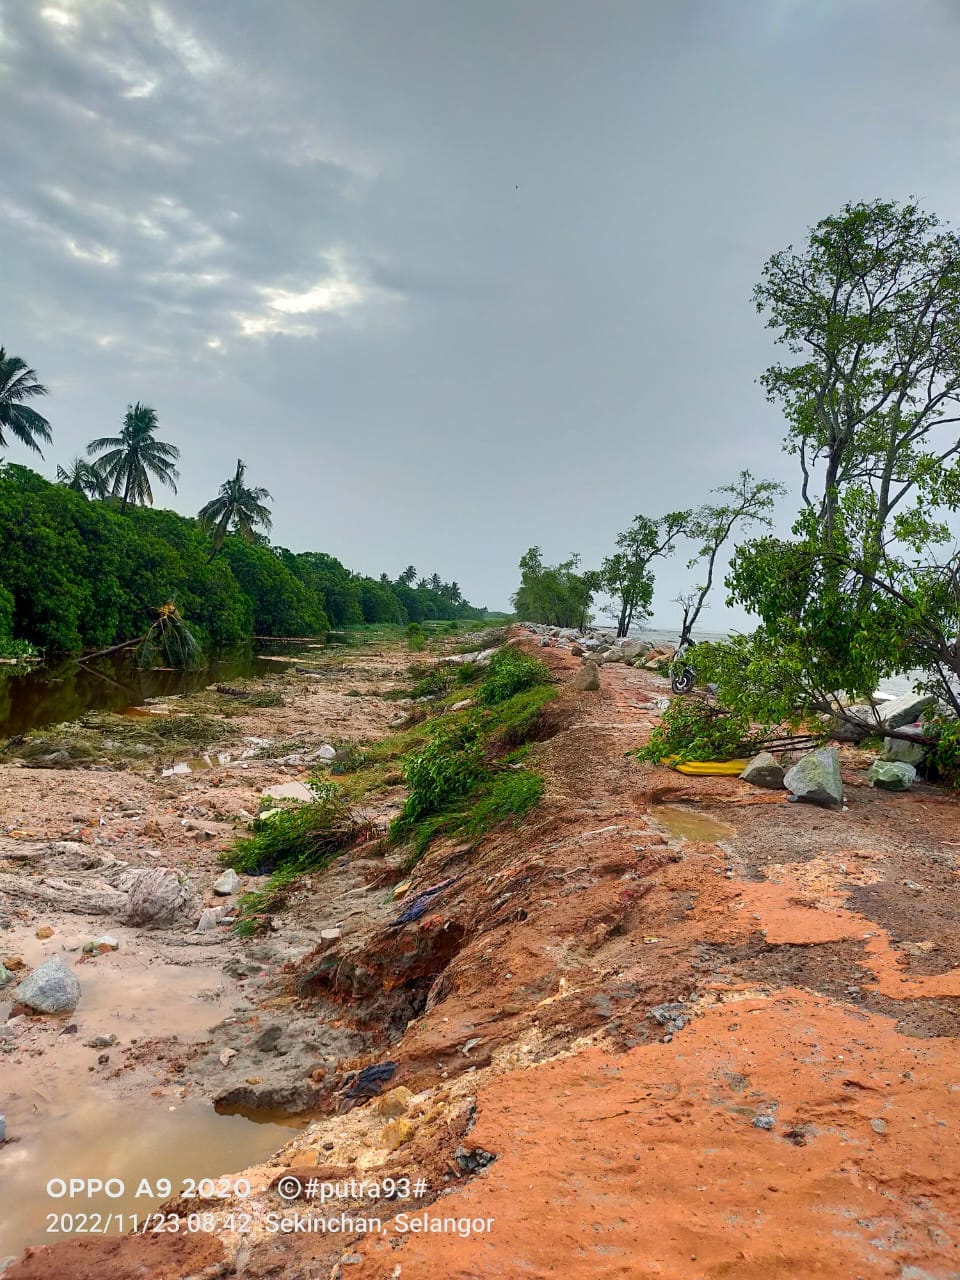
(690, 1059)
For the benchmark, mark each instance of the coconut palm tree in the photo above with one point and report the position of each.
(83, 477)
(129, 457)
(19, 383)
(236, 509)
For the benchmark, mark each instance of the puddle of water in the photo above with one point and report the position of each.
(88, 1135)
(688, 824)
(67, 1121)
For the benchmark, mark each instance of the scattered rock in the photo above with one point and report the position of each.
(44, 932)
(764, 771)
(51, 988)
(209, 919)
(101, 1042)
(815, 778)
(326, 752)
(396, 1133)
(462, 704)
(577, 650)
(160, 896)
(98, 945)
(878, 1126)
(228, 883)
(892, 775)
(587, 678)
(5, 975)
(764, 1122)
(225, 1055)
(395, 1103)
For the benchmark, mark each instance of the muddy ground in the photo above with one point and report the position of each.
(668, 1027)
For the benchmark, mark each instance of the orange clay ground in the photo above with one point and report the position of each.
(793, 1112)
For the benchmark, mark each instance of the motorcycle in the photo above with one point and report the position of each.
(682, 675)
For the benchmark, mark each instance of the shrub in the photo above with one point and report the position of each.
(416, 640)
(298, 839)
(694, 729)
(447, 768)
(508, 673)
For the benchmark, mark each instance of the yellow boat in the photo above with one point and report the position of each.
(707, 768)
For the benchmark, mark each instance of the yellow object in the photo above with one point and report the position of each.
(707, 768)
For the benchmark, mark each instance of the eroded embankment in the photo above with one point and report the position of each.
(686, 1058)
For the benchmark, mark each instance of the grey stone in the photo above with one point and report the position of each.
(634, 648)
(101, 1042)
(614, 655)
(867, 724)
(906, 710)
(901, 749)
(815, 778)
(764, 771)
(209, 919)
(764, 1122)
(5, 975)
(588, 677)
(3, 1128)
(892, 775)
(51, 988)
(326, 752)
(228, 883)
(878, 1126)
(160, 896)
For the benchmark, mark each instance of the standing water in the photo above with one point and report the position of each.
(67, 689)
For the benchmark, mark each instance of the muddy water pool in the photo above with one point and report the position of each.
(66, 1118)
(689, 824)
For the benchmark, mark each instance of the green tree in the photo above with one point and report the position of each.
(235, 509)
(626, 575)
(128, 459)
(750, 502)
(869, 311)
(17, 384)
(83, 478)
(409, 576)
(557, 595)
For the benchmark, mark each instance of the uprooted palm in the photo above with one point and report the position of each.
(236, 509)
(129, 458)
(17, 384)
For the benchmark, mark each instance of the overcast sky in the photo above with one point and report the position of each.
(452, 278)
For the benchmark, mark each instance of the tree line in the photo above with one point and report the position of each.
(85, 560)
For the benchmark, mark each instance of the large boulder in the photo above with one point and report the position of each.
(227, 884)
(51, 988)
(160, 896)
(613, 655)
(906, 710)
(764, 771)
(901, 749)
(634, 648)
(892, 775)
(588, 677)
(815, 778)
(858, 722)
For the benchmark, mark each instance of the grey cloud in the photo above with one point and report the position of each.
(455, 279)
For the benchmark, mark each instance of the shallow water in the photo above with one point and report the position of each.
(689, 824)
(87, 1134)
(65, 690)
(68, 1121)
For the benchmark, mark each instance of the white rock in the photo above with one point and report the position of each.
(228, 883)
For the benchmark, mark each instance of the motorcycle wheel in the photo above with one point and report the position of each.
(683, 679)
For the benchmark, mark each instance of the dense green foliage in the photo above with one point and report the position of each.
(554, 594)
(510, 671)
(83, 575)
(627, 576)
(467, 777)
(693, 728)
